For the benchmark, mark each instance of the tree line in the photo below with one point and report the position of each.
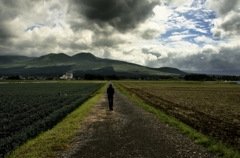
(204, 77)
(190, 77)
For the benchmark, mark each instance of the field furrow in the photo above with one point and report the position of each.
(31, 108)
(210, 108)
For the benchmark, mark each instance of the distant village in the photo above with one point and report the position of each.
(67, 76)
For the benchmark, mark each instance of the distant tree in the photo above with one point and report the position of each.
(199, 77)
(112, 77)
(16, 77)
(93, 77)
(89, 77)
(49, 78)
(231, 78)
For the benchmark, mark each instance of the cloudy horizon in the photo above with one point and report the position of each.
(192, 35)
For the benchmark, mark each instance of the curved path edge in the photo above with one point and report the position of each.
(129, 131)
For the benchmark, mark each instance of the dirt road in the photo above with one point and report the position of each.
(129, 131)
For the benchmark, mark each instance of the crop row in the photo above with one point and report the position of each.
(209, 107)
(29, 109)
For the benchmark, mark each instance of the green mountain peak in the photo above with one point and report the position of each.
(85, 56)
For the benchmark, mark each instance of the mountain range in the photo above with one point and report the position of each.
(79, 64)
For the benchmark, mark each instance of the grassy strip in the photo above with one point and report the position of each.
(218, 148)
(56, 139)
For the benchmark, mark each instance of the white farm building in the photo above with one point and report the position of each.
(67, 76)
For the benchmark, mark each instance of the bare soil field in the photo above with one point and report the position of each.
(129, 131)
(209, 107)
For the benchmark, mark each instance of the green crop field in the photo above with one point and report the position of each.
(27, 109)
(209, 107)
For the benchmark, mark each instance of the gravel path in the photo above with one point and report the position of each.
(130, 131)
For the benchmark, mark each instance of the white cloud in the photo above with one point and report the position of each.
(184, 9)
(201, 30)
(179, 37)
(209, 49)
(37, 28)
(162, 13)
(150, 30)
(179, 3)
(230, 44)
(203, 39)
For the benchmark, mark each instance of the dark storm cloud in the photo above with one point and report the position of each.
(210, 58)
(226, 6)
(155, 53)
(121, 14)
(149, 34)
(217, 34)
(13, 8)
(5, 32)
(9, 10)
(107, 41)
(224, 60)
(232, 24)
(229, 13)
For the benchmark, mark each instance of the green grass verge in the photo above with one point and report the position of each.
(57, 139)
(216, 147)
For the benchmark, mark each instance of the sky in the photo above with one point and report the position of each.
(191, 35)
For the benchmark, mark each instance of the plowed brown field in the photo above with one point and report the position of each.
(211, 108)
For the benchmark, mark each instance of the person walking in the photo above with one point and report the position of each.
(110, 92)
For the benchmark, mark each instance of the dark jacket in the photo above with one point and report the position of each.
(110, 91)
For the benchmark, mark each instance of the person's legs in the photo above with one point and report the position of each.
(112, 103)
(109, 101)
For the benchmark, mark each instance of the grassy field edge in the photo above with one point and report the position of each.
(218, 148)
(50, 142)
